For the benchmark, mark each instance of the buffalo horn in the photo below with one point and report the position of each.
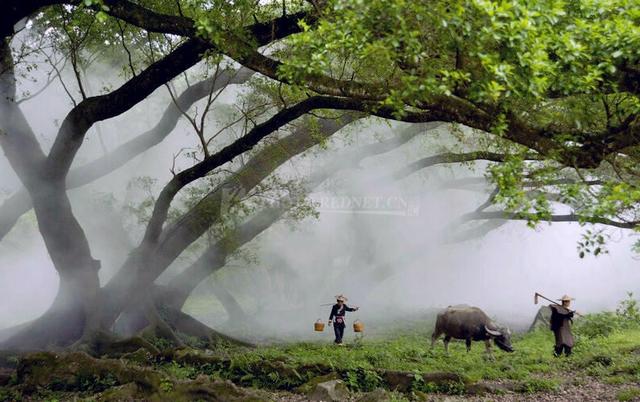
(492, 332)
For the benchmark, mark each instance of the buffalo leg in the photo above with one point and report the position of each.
(434, 337)
(567, 350)
(468, 343)
(447, 338)
(487, 344)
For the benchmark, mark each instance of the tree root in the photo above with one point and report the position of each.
(107, 344)
(161, 319)
(117, 380)
(187, 325)
(52, 331)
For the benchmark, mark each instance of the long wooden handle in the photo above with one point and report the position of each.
(546, 298)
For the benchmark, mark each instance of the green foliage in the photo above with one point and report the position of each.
(603, 324)
(533, 385)
(614, 359)
(361, 379)
(9, 394)
(397, 397)
(181, 372)
(629, 309)
(511, 49)
(160, 343)
(628, 394)
(532, 368)
(451, 388)
(596, 325)
(92, 383)
(593, 242)
(166, 385)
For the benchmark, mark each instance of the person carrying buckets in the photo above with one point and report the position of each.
(337, 317)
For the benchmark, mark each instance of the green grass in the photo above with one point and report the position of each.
(628, 394)
(614, 358)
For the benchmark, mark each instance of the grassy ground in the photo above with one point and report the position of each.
(614, 358)
(607, 352)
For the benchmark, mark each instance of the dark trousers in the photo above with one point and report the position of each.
(557, 350)
(338, 329)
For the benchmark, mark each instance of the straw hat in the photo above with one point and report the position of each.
(341, 298)
(566, 298)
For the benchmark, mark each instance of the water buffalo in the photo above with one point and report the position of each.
(471, 324)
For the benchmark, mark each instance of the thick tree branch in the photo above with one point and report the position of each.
(17, 139)
(552, 218)
(97, 108)
(247, 56)
(451, 157)
(149, 20)
(214, 258)
(148, 261)
(588, 153)
(13, 11)
(225, 155)
(20, 203)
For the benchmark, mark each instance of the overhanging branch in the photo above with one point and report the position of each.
(553, 218)
(451, 157)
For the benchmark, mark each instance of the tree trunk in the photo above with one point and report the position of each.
(229, 302)
(74, 311)
(151, 258)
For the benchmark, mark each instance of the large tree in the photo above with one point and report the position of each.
(547, 90)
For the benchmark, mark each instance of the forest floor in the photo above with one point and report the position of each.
(399, 366)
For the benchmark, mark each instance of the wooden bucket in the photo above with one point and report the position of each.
(358, 326)
(318, 325)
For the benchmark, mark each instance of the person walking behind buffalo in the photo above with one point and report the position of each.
(561, 319)
(338, 311)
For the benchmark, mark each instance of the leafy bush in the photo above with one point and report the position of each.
(628, 394)
(539, 385)
(94, 383)
(629, 310)
(601, 324)
(160, 343)
(181, 372)
(362, 380)
(10, 395)
(166, 385)
(627, 316)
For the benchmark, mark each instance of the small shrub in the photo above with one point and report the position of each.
(534, 385)
(602, 360)
(629, 310)
(397, 397)
(166, 385)
(450, 387)
(627, 316)
(192, 341)
(362, 380)
(617, 380)
(628, 394)
(181, 372)
(160, 343)
(597, 370)
(599, 325)
(7, 394)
